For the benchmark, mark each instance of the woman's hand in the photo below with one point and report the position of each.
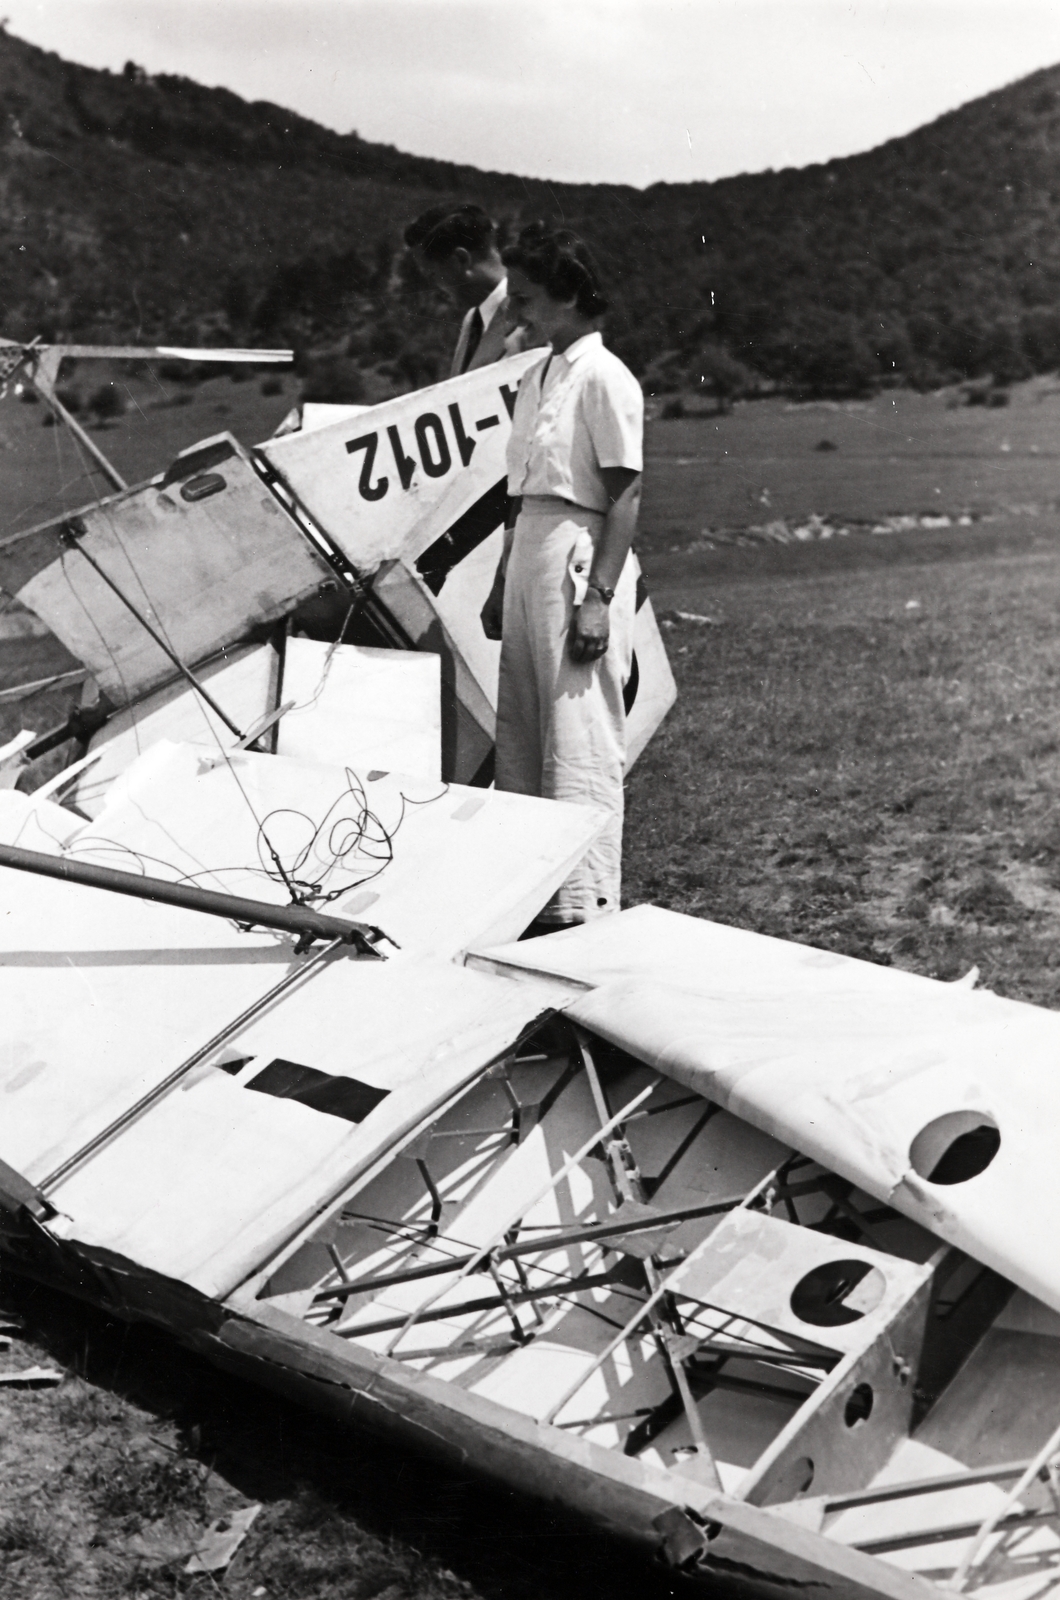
(590, 629)
(492, 612)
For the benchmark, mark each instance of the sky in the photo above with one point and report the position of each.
(626, 91)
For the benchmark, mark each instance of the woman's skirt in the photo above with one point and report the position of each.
(561, 724)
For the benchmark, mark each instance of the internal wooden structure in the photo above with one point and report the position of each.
(581, 1240)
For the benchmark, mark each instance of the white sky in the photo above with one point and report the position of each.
(583, 90)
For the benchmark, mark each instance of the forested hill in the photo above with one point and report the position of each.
(151, 208)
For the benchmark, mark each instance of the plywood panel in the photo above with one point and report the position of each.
(469, 715)
(201, 570)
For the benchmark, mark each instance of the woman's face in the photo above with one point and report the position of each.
(545, 319)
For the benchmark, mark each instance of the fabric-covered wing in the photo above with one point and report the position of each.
(934, 1099)
(436, 866)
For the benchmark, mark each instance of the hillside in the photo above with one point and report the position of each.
(152, 208)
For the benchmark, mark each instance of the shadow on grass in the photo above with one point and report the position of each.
(347, 1513)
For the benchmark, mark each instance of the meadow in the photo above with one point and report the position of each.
(865, 756)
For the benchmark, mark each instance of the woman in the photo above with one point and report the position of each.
(563, 601)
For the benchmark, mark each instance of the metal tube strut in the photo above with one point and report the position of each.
(131, 1113)
(302, 920)
(107, 468)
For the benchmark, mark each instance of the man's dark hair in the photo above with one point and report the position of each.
(417, 231)
(444, 229)
(561, 263)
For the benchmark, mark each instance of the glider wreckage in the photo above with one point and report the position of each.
(741, 1250)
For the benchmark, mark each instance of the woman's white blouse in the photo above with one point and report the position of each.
(587, 413)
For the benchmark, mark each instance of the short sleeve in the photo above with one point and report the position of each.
(613, 409)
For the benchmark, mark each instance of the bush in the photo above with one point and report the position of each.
(107, 403)
(721, 375)
(178, 372)
(334, 380)
(833, 362)
(1040, 338)
(138, 1490)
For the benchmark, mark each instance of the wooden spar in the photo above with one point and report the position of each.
(132, 352)
(139, 352)
(72, 531)
(653, 1299)
(524, 1206)
(511, 1297)
(302, 920)
(42, 363)
(58, 680)
(628, 1186)
(910, 1488)
(998, 1518)
(592, 1233)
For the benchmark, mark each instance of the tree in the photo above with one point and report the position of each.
(721, 375)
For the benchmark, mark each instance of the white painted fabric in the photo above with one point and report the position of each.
(102, 996)
(434, 865)
(561, 724)
(216, 1177)
(577, 411)
(361, 707)
(242, 682)
(384, 485)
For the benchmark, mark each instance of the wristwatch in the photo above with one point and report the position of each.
(606, 595)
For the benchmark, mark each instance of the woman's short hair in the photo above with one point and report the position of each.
(561, 263)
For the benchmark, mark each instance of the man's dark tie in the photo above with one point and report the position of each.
(474, 336)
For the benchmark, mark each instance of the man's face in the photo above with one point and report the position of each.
(465, 278)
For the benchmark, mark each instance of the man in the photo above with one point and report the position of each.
(458, 246)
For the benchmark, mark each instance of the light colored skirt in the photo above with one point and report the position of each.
(561, 724)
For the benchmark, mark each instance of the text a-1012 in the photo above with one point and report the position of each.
(438, 446)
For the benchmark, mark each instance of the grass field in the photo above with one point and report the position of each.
(865, 756)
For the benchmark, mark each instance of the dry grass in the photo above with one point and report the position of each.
(109, 1479)
(866, 760)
